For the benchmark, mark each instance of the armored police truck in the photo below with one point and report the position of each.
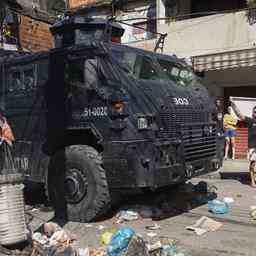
(92, 116)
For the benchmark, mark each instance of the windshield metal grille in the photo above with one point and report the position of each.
(171, 122)
(199, 142)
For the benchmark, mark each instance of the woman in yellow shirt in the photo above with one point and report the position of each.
(229, 123)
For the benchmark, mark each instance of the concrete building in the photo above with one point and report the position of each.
(24, 25)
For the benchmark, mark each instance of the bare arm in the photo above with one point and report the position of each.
(237, 111)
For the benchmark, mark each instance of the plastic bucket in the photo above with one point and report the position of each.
(12, 213)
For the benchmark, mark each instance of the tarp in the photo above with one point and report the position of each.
(225, 60)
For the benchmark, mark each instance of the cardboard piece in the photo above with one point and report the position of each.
(203, 225)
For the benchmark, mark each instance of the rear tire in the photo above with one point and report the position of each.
(77, 184)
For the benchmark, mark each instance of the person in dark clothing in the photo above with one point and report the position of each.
(251, 124)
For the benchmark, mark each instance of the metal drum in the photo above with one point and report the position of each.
(12, 212)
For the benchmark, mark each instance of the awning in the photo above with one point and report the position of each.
(225, 60)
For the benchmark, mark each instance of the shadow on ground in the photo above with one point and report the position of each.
(160, 204)
(243, 177)
(167, 202)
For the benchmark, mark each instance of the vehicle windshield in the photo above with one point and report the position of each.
(178, 73)
(147, 68)
(139, 66)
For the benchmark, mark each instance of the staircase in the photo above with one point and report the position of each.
(241, 143)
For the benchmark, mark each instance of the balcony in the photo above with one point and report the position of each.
(206, 35)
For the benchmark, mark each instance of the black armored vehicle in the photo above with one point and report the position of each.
(92, 116)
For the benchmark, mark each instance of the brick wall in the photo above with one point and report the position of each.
(77, 3)
(35, 35)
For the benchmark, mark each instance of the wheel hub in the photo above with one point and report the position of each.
(75, 186)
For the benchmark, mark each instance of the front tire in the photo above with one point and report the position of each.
(77, 184)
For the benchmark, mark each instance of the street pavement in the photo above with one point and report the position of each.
(174, 209)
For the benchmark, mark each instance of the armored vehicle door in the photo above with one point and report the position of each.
(25, 110)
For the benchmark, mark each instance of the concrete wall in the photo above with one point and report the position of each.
(209, 34)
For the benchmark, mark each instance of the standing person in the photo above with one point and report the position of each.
(251, 124)
(219, 115)
(229, 123)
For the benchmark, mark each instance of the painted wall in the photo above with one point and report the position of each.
(209, 34)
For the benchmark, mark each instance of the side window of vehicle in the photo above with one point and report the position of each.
(22, 79)
(126, 59)
(29, 82)
(74, 72)
(15, 81)
(145, 69)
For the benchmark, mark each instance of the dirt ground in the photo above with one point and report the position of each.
(173, 210)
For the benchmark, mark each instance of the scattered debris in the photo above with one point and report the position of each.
(218, 207)
(153, 227)
(203, 225)
(228, 200)
(98, 252)
(151, 234)
(136, 247)
(50, 228)
(35, 210)
(169, 250)
(83, 252)
(101, 227)
(120, 241)
(154, 247)
(127, 215)
(253, 212)
(41, 239)
(60, 237)
(106, 237)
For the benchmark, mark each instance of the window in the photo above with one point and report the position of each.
(145, 69)
(74, 71)
(181, 75)
(15, 81)
(126, 59)
(201, 7)
(29, 79)
(22, 79)
(142, 67)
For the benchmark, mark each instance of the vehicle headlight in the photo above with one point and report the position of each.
(142, 123)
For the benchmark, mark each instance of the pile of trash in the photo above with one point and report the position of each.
(125, 242)
(55, 241)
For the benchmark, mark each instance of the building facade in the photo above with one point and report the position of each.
(24, 24)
